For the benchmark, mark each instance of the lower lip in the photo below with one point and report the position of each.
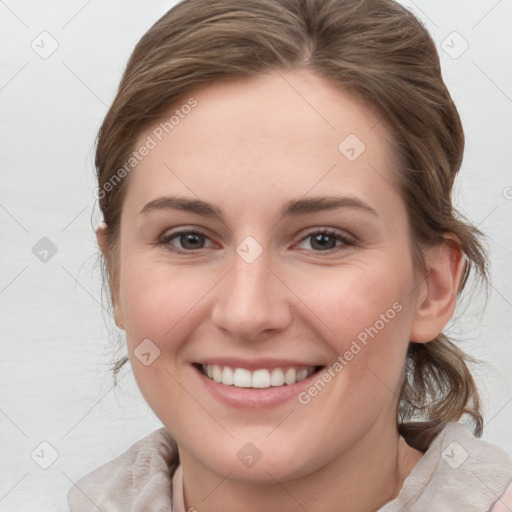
(252, 398)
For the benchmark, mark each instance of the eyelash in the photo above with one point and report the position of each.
(346, 240)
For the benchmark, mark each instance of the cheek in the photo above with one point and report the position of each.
(364, 313)
(156, 297)
(354, 301)
(368, 313)
(161, 305)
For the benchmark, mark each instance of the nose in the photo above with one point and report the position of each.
(252, 303)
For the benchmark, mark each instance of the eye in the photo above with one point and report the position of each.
(187, 241)
(320, 240)
(327, 240)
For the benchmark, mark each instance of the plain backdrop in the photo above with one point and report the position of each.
(58, 405)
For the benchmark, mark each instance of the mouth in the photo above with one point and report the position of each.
(260, 378)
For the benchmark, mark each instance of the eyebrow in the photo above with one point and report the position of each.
(295, 207)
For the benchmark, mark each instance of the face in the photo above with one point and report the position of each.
(231, 264)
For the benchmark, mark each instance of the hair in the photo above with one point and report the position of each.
(374, 49)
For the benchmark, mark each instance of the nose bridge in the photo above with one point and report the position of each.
(250, 299)
(251, 280)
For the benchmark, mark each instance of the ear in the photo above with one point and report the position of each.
(437, 293)
(102, 239)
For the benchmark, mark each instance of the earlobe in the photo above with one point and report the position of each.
(101, 237)
(118, 317)
(437, 294)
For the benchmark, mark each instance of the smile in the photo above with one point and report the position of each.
(260, 378)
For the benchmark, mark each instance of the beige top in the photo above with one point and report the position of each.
(458, 473)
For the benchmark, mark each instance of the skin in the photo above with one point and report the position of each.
(249, 147)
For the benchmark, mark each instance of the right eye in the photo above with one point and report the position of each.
(184, 241)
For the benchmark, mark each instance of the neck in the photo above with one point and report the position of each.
(363, 478)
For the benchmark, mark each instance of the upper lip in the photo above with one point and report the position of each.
(256, 364)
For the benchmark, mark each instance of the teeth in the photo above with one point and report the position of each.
(217, 373)
(227, 376)
(261, 379)
(302, 374)
(290, 376)
(277, 377)
(243, 378)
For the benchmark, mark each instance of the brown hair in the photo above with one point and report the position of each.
(376, 50)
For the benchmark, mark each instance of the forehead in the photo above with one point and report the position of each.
(282, 132)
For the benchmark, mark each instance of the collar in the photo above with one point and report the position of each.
(139, 479)
(457, 470)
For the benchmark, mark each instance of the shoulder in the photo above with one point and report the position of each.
(457, 472)
(141, 475)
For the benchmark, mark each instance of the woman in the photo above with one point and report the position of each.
(282, 252)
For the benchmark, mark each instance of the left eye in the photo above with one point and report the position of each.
(326, 240)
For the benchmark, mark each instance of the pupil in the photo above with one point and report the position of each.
(190, 241)
(323, 241)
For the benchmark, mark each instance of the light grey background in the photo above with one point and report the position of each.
(55, 345)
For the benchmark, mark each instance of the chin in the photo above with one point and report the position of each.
(256, 462)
